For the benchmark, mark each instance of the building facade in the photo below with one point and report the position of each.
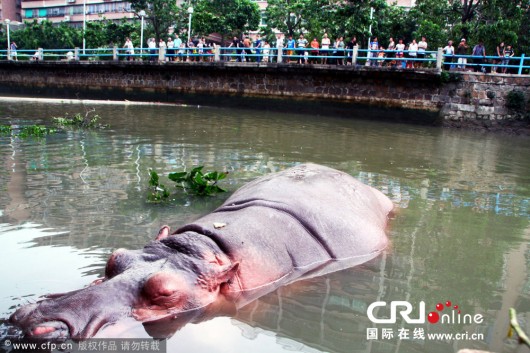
(72, 11)
(10, 10)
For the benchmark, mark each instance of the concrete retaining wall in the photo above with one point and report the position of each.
(460, 99)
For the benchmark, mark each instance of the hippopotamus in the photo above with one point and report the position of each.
(295, 224)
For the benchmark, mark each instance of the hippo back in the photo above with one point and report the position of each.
(292, 222)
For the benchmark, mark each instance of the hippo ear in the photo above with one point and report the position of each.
(227, 272)
(163, 233)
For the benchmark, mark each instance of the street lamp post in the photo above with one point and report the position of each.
(190, 12)
(8, 40)
(370, 35)
(370, 27)
(84, 26)
(142, 15)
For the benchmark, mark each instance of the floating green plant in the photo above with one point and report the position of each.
(5, 130)
(89, 121)
(198, 183)
(157, 192)
(193, 182)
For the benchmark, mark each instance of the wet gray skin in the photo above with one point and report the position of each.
(300, 223)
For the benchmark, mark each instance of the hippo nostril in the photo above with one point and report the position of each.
(50, 330)
(42, 330)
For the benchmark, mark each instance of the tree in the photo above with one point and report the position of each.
(227, 17)
(294, 16)
(492, 21)
(108, 33)
(314, 18)
(160, 15)
(46, 35)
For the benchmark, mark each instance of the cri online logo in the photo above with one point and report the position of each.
(453, 316)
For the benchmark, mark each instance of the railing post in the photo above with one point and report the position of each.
(521, 64)
(217, 53)
(354, 55)
(439, 58)
(76, 54)
(162, 54)
(280, 49)
(115, 53)
(41, 54)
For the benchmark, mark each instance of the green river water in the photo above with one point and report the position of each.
(460, 234)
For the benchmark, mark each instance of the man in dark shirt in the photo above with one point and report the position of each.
(349, 48)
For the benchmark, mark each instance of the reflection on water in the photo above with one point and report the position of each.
(461, 233)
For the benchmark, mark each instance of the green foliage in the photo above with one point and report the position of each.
(160, 15)
(157, 192)
(227, 17)
(516, 100)
(5, 130)
(35, 131)
(47, 35)
(89, 121)
(194, 182)
(107, 33)
(26, 131)
(291, 16)
(448, 76)
(198, 183)
(492, 21)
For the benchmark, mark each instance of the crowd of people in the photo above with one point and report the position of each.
(500, 64)
(176, 49)
(414, 54)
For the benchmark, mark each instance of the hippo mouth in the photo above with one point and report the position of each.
(49, 330)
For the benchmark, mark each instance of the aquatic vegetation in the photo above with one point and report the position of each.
(194, 182)
(157, 192)
(5, 130)
(26, 131)
(36, 131)
(89, 121)
(199, 183)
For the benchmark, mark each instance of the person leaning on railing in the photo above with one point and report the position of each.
(314, 50)
(129, 49)
(13, 51)
(326, 42)
(449, 52)
(422, 47)
(462, 50)
(508, 53)
(479, 51)
(301, 43)
(400, 50)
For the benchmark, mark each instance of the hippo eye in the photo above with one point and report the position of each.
(165, 289)
(117, 263)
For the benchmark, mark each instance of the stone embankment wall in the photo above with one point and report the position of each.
(458, 99)
(482, 101)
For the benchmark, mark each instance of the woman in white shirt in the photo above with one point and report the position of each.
(413, 53)
(400, 48)
(326, 42)
(449, 52)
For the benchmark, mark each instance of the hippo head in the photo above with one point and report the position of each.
(170, 277)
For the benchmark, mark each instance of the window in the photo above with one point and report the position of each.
(263, 19)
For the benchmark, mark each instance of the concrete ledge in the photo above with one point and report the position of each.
(466, 97)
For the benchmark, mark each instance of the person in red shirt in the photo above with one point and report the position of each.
(314, 50)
